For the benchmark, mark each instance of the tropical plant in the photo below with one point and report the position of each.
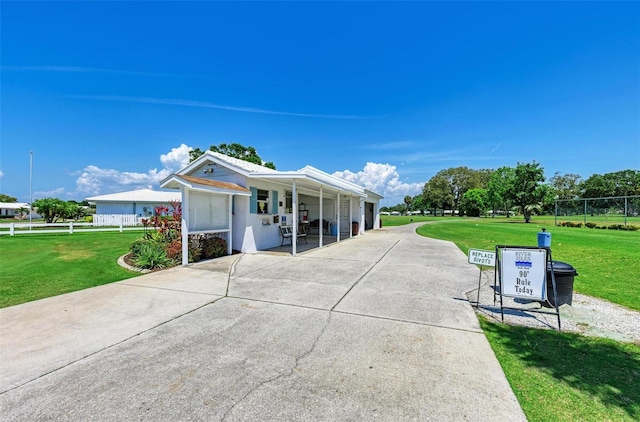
(51, 209)
(151, 255)
(526, 189)
(164, 232)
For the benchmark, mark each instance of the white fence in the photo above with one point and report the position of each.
(100, 220)
(13, 229)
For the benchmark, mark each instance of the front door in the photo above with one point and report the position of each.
(368, 216)
(345, 224)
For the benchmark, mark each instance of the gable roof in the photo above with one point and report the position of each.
(176, 181)
(139, 195)
(308, 175)
(239, 166)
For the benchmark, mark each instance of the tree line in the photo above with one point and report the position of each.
(524, 188)
(52, 209)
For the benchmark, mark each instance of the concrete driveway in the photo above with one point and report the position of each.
(373, 328)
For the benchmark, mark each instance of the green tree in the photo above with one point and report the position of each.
(598, 186)
(625, 182)
(474, 202)
(7, 198)
(500, 182)
(51, 209)
(527, 190)
(234, 150)
(481, 178)
(407, 201)
(445, 189)
(566, 186)
(420, 204)
(73, 210)
(437, 192)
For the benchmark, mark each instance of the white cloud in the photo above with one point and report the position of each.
(95, 181)
(176, 158)
(1, 173)
(383, 179)
(55, 193)
(202, 104)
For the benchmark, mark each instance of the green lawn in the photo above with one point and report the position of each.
(37, 266)
(563, 376)
(568, 377)
(607, 261)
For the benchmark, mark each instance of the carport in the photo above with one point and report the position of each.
(248, 203)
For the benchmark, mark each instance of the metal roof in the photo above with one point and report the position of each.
(139, 195)
(13, 205)
(176, 181)
(308, 177)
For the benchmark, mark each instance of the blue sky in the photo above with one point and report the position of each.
(110, 95)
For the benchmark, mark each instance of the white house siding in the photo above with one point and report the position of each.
(220, 174)
(143, 209)
(257, 235)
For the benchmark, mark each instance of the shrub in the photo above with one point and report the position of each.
(591, 225)
(616, 227)
(152, 255)
(137, 246)
(174, 250)
(195, 251)
(213, 247)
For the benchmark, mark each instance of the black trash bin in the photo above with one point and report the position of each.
(564, 274)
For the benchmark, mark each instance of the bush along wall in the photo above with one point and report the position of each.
(590, 225)
(161, 246)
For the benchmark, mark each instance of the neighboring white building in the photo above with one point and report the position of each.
(141, 202)
(249, 202)
(11, 209)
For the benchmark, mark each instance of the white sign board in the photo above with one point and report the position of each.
(523, 273)
(480, 257)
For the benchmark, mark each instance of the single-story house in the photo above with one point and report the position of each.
(13, 209)
(141, 202)
(248, 203)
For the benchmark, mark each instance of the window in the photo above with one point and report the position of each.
(288, 202)
(263, 201)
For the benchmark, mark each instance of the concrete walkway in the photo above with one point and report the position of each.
(374, 327)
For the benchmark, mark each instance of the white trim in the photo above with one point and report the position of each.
(185, 225)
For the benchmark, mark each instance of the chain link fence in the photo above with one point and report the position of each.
(599, 212)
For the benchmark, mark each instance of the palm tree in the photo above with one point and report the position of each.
(408, 200)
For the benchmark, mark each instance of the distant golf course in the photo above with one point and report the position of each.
(606, 260)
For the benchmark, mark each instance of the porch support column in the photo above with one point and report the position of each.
(230, 232)
(185, 225)
(294, 217)
(362, 217)
(350, 222)
(338, 219)
(321, 223)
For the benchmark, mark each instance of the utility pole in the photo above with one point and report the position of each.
(30, 190)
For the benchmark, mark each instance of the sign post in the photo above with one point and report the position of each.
(484, 259)
(522, 273)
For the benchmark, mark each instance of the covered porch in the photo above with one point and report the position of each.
(313, 242)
